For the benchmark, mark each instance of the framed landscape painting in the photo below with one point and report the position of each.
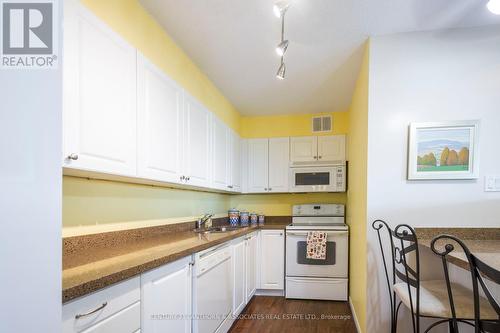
(443, 150)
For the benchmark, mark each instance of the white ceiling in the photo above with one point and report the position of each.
(233, 42)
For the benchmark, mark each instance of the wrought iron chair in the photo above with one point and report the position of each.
(422, 298)
(486, 309)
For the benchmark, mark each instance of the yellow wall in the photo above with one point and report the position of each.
(129, 19)
(289, 125)
(90, 202)
(356, 195)
(281, 204)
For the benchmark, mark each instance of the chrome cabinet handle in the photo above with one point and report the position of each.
(78, 316)
(188, 178)
(319, 157)
(270, 189)
(230, 186)
(315, 157)
(73, 157)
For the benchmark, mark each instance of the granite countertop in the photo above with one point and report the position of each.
(96, 261)
(482, 242)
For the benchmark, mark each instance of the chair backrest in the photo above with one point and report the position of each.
(403, 244)
(479, 271)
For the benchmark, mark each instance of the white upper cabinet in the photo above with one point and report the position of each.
(272, 259)
(167, 290)
(317, 149)
(268, 161)
(160, 129)
(279, 157)
(235, 162)
(244, 164)
(220, 154)
(197, 147)
(331, 148)
(303, 148)
(258, 165)
(99, 87)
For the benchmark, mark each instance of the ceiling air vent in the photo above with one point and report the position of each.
(322, 124)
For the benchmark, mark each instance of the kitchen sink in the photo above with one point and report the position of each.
(216, 229)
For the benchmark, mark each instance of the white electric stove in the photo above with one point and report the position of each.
(312, 278)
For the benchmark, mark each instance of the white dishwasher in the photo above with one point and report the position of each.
(212, 290)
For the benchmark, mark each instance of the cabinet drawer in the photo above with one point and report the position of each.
(316, 288)
(105, 310)
(126, 320)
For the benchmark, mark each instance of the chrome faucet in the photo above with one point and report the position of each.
(201, 222)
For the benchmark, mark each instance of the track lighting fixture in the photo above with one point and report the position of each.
(281, 48)
(281, 71)
(280, 8)
(494, 6)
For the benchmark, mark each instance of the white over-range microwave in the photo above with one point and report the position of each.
(318, 178)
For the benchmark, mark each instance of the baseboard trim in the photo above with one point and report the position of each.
(265, 292)
(354, 316)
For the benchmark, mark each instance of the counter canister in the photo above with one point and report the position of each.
(262, 218)
(253, 218)
(234, 216)
(244, 216)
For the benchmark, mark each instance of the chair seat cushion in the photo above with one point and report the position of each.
(434, 300)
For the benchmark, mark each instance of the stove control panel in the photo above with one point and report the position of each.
(318, 210)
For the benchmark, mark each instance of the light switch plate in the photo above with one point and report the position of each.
(492, 183)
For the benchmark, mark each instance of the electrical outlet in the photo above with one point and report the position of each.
(492, 183)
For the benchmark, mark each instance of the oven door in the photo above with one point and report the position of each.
(335, 264)
(317, 179)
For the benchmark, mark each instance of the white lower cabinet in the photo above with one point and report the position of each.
(239, 276)
(113, 309)
(166, 298)
(245, 259)
(251, 266)
(272, 259)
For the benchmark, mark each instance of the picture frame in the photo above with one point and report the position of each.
(443, 150)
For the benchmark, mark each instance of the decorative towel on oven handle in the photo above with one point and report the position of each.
(316, 245)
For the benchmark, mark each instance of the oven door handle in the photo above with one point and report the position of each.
(337, 233)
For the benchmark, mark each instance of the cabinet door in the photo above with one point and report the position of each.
(235, 162)
(99, 92)
(331, 148)
(244, 164)
(272, 259)
(279, 159)
(159, 124)
(258, 165)
(303, 149)
(239, 276)
(220, 154)
(197, 143)
(251, 266)
(167, 291)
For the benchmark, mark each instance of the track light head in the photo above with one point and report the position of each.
(494, 6)
(281, 71)
(281, 48)
(280, 8)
